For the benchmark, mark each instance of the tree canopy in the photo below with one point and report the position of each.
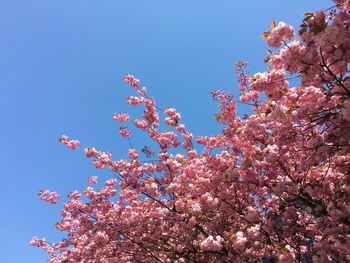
(273, 185)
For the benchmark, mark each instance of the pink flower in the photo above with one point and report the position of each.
(272, 83)
(180, 127)
(38, 242)
(132, 81)
(211, 244)
(103, 160)
(116, 166)
(122, 117)
(133, 101)
(170, 121)
(92, 180)
(50, 197)
(170, 111)
(245, 97)
(252, 214)
(124, 132)
(75, 195)
(72, 144)
(142, 124)
(174, 117)
(254, 232)
(91, 152)
(265, 185)
(110, 182)
(150, 114)
(90, 193)
(343, 4)
(133, 154)
(192, 154)
(240, 241)
(279, 34)
(143, 91)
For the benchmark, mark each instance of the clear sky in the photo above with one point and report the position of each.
(61, 69)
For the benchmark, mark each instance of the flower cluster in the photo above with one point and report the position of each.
(50, 197)
(279, 34)
(122, 117)
(72, 144)
(273, 185)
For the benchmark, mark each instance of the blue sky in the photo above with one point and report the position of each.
(61, 70)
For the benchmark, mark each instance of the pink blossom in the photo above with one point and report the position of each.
(142, 124)
(143, 91)
(192, 154)
(132, 81)
(132, 100)
(118, 165)
(133, 154)
(240, 241)
(180, 128)
(174, 115)
(50, 197)
(343, 4)
(254, 232)
(74, 195)
(124, 132)
(91, 152)
(122, 117)
(272, 184)
(103, 160)
(72, 144)
(170, 121)
(92, 180)
(273, 83)
(170, 111)
(212, 244)
(150, 114)
(248, 96)
(110, 182)
(243, 79)
(279, 34)
(90, 193)
(38, 242)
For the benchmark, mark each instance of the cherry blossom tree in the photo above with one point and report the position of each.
(272, 186)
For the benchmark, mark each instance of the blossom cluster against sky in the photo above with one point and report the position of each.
(61, 70)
